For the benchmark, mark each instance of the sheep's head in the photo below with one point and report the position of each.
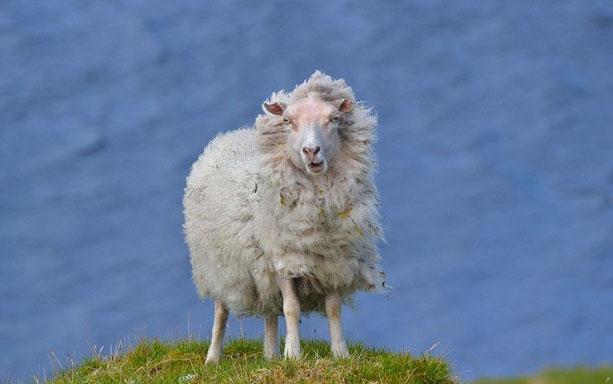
(312, 127)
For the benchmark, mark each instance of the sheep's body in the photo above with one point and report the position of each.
(251, 215)
(219, 207)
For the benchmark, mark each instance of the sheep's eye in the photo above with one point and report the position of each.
(286, 120)
(335, 119)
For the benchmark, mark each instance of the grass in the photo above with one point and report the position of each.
(579, 375)
(153, 361)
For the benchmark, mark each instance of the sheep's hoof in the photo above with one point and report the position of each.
(212, 357)
(271, 355)
(340, 351)
(292, 352)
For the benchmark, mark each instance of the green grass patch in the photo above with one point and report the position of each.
(581, 375)
(153, 361)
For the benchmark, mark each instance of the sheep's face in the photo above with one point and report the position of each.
(312, 127)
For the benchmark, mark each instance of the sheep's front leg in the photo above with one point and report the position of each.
(333, 312)
(219, 326)
(270, 337)
(291, 311)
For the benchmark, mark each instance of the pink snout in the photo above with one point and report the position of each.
(311, 152)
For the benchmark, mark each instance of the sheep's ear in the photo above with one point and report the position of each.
(273, 108)
(344, 105)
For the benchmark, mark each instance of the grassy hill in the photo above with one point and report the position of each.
(183, 363)
(581, 375)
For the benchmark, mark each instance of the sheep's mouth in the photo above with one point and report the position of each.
(316, 167)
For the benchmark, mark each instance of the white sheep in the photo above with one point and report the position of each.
(282, 218)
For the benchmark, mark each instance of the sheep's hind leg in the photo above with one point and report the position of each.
(291, 311)
(271, 350)
(219, 326)
(333, 312)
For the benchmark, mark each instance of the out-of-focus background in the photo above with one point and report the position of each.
(495, 152)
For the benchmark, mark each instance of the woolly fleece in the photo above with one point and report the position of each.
(251, 214)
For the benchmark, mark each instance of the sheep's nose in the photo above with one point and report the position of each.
(310, 151)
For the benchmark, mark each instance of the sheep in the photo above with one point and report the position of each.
(282, 218)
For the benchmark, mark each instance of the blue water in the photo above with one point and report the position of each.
(496, 169)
